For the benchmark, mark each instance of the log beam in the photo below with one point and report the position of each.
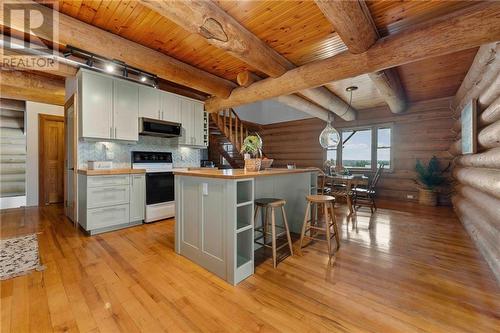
(487, 203)
(354, 24)
(470, 27)
(485, 180)
(303, 105)
(483, 72)
(490, 115)
(488, 159)
(22, 85)
(246, 78)
(489, 137)
(223, 31)
(87, 37)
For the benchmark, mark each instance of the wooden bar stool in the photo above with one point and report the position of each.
(313, 224)
(266, 204)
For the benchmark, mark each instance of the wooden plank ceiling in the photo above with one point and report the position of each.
(296, 29)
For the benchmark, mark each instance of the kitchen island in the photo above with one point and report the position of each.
(215, 212)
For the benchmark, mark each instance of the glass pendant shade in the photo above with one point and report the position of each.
(329, 137)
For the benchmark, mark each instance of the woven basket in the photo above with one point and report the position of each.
(427, 197)
(252, 164)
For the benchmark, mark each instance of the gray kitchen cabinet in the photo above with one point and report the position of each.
(125, 110)
(110, 202)
(149, 102)
(170, 107)
(96, 105)
(194, 125)
(137, 197)
(187, 121)
(203, 215)
(109, 107)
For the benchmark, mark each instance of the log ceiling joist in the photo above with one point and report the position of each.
(223, 31)
(460, 30)
(23, 85)
(353, 22)
(87, 37)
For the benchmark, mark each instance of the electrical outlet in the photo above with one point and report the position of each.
(410, 196)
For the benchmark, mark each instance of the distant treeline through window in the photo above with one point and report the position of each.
(363, 148)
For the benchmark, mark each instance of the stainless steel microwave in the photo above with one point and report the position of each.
(155, 127)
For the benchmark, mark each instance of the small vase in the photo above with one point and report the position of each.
(252, 164)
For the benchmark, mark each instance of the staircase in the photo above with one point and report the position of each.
(227, 133)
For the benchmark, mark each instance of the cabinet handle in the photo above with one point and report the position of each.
(115, 132)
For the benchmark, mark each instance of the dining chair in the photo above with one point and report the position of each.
(365, 196)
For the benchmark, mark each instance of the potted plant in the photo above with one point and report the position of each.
(429, 178)
(252, 150)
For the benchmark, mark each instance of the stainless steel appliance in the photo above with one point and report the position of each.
(160, 202)
(161, 128)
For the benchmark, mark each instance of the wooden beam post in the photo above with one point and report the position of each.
(469, 27)
(223, 31)
(87, 37)
(23, 85)
(354, 24)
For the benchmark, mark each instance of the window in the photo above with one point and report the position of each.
(384, 147)
(357, 148)
(364, 148)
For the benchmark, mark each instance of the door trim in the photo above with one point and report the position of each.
(41, 156)
(71, 103)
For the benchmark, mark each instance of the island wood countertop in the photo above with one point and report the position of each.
(239, 173)
(106, 172)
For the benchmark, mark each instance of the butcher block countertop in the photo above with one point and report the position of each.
(238, 173)
(105, 172)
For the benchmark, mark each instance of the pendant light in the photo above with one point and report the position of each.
(330, 137)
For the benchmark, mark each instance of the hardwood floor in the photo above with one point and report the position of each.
(414, 270)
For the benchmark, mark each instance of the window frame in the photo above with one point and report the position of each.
(374, 147)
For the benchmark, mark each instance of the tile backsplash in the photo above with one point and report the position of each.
(120, 153)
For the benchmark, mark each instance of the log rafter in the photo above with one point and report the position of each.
(354, 24)
(223, 31)
(470, 27)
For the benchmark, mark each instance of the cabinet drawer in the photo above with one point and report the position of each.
(96, 181)
(107, 196)
(107, 216)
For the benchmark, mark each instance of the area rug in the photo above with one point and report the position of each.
(19, 256)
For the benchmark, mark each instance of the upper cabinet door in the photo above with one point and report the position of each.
(96, 110)
(187, 115)
(149, 102)
(198, 124)
(170, 107)
(126, 111)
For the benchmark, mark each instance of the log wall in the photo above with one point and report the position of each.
(12, 149)
(476, 197)
(421, 132)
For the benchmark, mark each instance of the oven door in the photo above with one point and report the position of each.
(159, 187)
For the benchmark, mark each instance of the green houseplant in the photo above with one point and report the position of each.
(252, 150)
(429, 178)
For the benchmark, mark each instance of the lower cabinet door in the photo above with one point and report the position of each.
(107, 216)
(137, 197)
(107, 196)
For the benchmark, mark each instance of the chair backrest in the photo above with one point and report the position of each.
(376, 177)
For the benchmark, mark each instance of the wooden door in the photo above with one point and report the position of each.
(51, 159)
(125, 110)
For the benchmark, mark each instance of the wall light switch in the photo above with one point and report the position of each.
(205, 188)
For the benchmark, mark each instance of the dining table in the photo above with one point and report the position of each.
(350, 182)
